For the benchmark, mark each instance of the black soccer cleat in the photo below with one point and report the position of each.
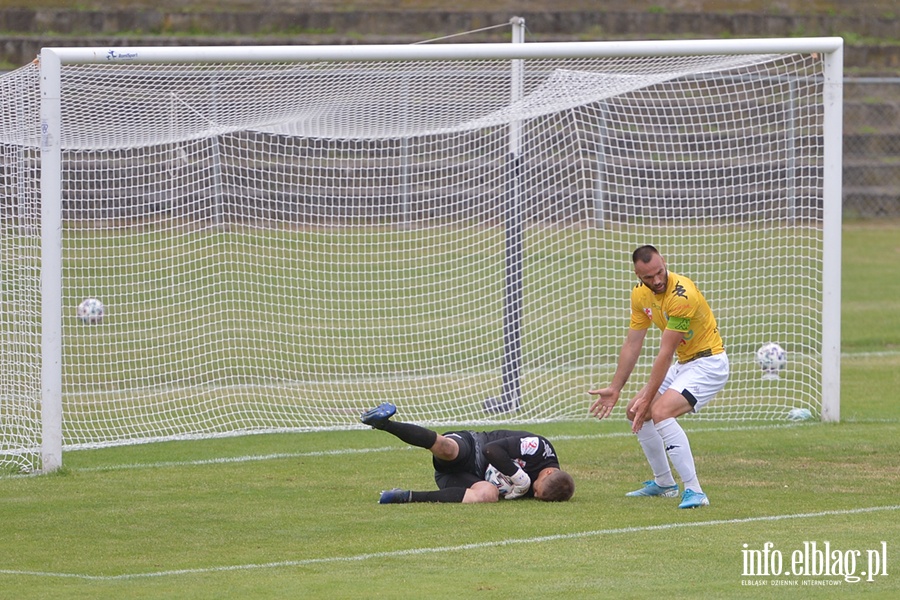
(395, 496)
(377, 417)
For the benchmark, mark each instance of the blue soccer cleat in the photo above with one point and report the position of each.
(692, 499)
(651, 488)
(395, 496)
(378, 416)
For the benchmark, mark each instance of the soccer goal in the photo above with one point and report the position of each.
(282, 237)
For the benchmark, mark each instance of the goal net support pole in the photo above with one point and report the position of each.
(512, 315)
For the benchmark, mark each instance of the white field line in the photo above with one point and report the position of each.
(348, 451)
(876, 354)
(457, 548)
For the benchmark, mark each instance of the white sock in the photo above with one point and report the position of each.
(676, 445)
(655, 451)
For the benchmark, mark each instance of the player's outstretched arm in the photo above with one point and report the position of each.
(606, 400)
(608, 397)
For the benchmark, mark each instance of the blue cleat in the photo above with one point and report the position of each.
(651, 488)
(395, 496)
(692, 499)
(378, 416)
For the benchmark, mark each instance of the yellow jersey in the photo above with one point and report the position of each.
(681, 308)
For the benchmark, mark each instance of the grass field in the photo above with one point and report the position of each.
(295, 515)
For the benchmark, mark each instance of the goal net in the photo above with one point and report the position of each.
(280, 244)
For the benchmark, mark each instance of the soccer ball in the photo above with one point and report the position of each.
(799, 414)
(504, 485)
(90, 311)
(771, 358)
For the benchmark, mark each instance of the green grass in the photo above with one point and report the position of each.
(295, 515)
(869, 281)
(158, 521)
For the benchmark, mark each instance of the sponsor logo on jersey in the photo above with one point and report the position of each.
(679, 323)
(529, 445)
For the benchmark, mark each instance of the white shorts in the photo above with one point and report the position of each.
(698, 380)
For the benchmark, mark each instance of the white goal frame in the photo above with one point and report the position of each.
(51, 193)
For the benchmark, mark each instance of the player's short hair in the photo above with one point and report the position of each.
(644, 254)
(558, 487)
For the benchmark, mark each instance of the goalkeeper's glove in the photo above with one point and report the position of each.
(521, 482)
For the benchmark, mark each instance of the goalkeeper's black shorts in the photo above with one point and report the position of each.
(468, 467)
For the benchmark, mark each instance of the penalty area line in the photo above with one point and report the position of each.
(457, 548)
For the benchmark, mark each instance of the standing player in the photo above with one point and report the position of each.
(526, 461)
(675, 305)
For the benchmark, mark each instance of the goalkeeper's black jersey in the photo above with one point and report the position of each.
(532, 452)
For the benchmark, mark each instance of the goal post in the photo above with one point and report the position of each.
(284, 236)
(832, 138)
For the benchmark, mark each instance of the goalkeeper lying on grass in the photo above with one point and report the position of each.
(478, 466)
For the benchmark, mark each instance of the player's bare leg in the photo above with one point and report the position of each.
(445, 448)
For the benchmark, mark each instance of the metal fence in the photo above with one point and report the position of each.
(871, 177)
